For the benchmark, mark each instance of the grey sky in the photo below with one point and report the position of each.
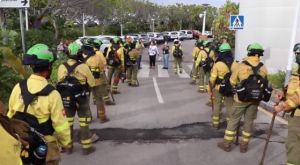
(216, 3)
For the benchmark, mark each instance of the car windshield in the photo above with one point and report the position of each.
(144, 36)
(104, 40)
(151, 35)
(158, 35)
(183, 32)
(165, 33)
(174, 33)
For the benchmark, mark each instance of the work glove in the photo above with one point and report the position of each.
(21, 128)
(16, 128)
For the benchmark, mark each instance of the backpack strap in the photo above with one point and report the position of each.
(228, 64)
(207, 52)
(28, 97)
(70, 69)
(256, 68)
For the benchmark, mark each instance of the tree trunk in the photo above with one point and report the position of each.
(2, 19)
(56, 28)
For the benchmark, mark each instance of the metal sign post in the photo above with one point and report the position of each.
(22, 31)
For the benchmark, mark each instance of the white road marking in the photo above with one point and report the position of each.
(145, 72)
(158, 94)
(183, 74)
(191, 66)
(162, 72)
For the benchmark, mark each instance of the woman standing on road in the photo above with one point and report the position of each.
(153, 51)
(166, 55)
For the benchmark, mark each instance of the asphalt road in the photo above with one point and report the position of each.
(165, 121)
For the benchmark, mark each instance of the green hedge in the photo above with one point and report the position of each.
(277, 79)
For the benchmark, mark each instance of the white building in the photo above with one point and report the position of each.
(270, 23)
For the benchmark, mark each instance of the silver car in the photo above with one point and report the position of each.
(105, 42)
(144, 37)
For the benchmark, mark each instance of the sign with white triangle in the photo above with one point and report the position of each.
(236, 22)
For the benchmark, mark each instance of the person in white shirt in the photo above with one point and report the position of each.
(153, 51)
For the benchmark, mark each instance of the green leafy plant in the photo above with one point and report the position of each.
(277, 79)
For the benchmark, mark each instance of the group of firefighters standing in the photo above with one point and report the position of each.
(35, 107)
(238, 84)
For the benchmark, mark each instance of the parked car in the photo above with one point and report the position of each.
(105, 42)
(180, 35)
(157, 36)
(166, 36)
(145, 39)
(209, 34)
(174, 35)
(196, 33)
(188, 33)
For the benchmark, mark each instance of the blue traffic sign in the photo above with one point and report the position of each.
(236, 22)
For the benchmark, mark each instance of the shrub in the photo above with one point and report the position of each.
(277, 79)
(35, 36)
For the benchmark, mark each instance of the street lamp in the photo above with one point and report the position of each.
(204, 16)
(83, 25)
(153, 24)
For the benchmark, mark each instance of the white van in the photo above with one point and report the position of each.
(188, 33)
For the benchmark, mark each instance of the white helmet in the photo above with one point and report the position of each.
(176, 40)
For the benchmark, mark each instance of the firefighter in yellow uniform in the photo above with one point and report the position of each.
(203, 55)
(177, 56)
(83, 74)
(224, 64)
(115, 62)
(47, 109)
(103, 78)
(243, 108)
(12, 132)
(132, 70)
(291, 106)
(197, 49)
(96, 65)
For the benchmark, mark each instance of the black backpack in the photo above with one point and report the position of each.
(178, 52)
(37, 131)
(127, 58)
(113, 57)
(226, 88)
(255, 87)
(208, 64)
(70, 89)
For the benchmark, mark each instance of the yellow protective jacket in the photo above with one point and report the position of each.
(244, 71)
(82, 72)
(293, 93)
(134, 54)
(203, 55)
(173, 48)
(120, 52)
(10, 149)
(101, 55)
(219, 70)
(43, 108)
(196, 52)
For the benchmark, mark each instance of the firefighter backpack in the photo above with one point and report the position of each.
(113, 57)
(226, 88)
(178, 52)
(208, 63)
(70, 89)
(30, 153)
(255, 87)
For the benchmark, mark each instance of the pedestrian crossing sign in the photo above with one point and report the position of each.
(236, 22)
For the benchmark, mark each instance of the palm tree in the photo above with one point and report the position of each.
(221, 23)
